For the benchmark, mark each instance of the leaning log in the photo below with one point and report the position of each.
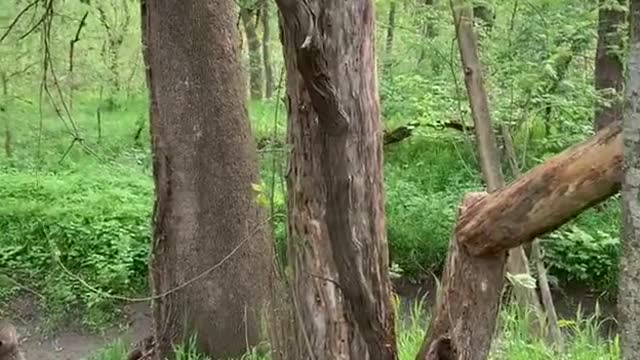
(546, 197)
(540, 201)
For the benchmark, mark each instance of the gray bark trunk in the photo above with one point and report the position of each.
(629, 284)
(211, 265)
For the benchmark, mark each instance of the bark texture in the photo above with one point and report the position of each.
(467, 307)
(338, 246)
(541, 200)
(266, 49)
(488, 149)
(629, 283)
(255, 62)
(206, 221)
(545, 197)
(608, 73)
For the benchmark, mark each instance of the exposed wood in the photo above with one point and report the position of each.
(545, 197)
(469, 295)
(554, 334)
(517, 262)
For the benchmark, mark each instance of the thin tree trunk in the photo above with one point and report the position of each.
(266, 49)
(517, 262)
(554, 333)
(255, 67)
(538, 202)
(608, 71)
(390, 32)
(338, 247)
(8, 142)
(211, 258)
(629, 285)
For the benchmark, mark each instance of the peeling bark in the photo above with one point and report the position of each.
(547, 196)
(338, 245)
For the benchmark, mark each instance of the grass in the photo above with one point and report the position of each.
(90, 207)
(513, 341)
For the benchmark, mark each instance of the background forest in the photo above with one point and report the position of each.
(76, 183)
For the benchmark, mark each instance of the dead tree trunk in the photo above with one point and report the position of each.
(538, 202)
(629, 287)
(338, 247)
(489, 158)
(608, 73)
(211, 258)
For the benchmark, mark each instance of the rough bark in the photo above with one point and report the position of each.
(538, 202)
(464, 320)
(338, 246)
(488, 149)
(608, 73)
(208, 237)
(255, 62)
(266, 49)
(545, 197)
(629, 283)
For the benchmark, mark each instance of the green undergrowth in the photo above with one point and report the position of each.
(583, 340)
(88, 208)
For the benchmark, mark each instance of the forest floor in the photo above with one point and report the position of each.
(74, 343)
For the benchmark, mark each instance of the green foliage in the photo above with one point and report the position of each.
(79, 190)
(96, 223)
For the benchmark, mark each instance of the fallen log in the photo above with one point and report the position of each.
(488, 225)
(546, 197)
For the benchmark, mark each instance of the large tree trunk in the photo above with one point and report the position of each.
(255, 63)
(266, 49)
(211, 259)
(338, 247)
(489, 158)
(629, 285)
(538, 202)
(608, 71)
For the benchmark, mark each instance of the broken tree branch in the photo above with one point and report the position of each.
(546, 197)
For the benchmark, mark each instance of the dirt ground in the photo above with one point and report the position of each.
(75, 344)
(72, 343)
